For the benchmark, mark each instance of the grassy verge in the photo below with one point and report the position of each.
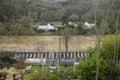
(62, 68)
(47, 33)
(39, 68)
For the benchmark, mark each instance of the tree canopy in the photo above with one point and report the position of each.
(108, 61)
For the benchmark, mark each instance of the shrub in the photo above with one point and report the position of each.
(108, 60)
(53, 77)
(86, 70)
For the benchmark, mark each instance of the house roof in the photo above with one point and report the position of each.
(88, 25)
(46, 27)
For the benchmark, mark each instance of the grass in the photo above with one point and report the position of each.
(39, 67)
(62, 68)
(34, 74)
(47, 33)
(57, 24)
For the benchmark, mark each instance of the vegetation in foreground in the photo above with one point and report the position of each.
(18, 16)
(109, 61)
(39, 72)
(109, 66)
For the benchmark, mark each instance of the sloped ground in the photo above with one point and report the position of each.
(45, 43)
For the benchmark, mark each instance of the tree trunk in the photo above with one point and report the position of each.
(66, 44)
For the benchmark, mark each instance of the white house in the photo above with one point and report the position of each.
(46, 27)
(88, 25)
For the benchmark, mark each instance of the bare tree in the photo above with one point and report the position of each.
(20, 65)
(66, 35)
(100, 32)
(40, 50)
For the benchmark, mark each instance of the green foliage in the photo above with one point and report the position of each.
(26, 21)
(74, 17)
(1, 61)
(53, 77)
(67, 72)
(65, 20)
(86, 70)
(111, 53)
(67, 32)
(111, 48)
(37, 75)
(31, 76)
(34, 68)
(108, 60)
(7, 60)
(25, 12)
(64, 72)
(47, 33)
(80, 30)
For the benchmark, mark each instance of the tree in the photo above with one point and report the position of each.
(66, 35)
(26, 21)
(111, 53)
(86, 70)
(65, 19)
(20, 65)
(40, 49)
(74, 17)
(109, 58)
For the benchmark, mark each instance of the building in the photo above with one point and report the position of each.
(46, 27)
(88, 25)
(51, 58)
